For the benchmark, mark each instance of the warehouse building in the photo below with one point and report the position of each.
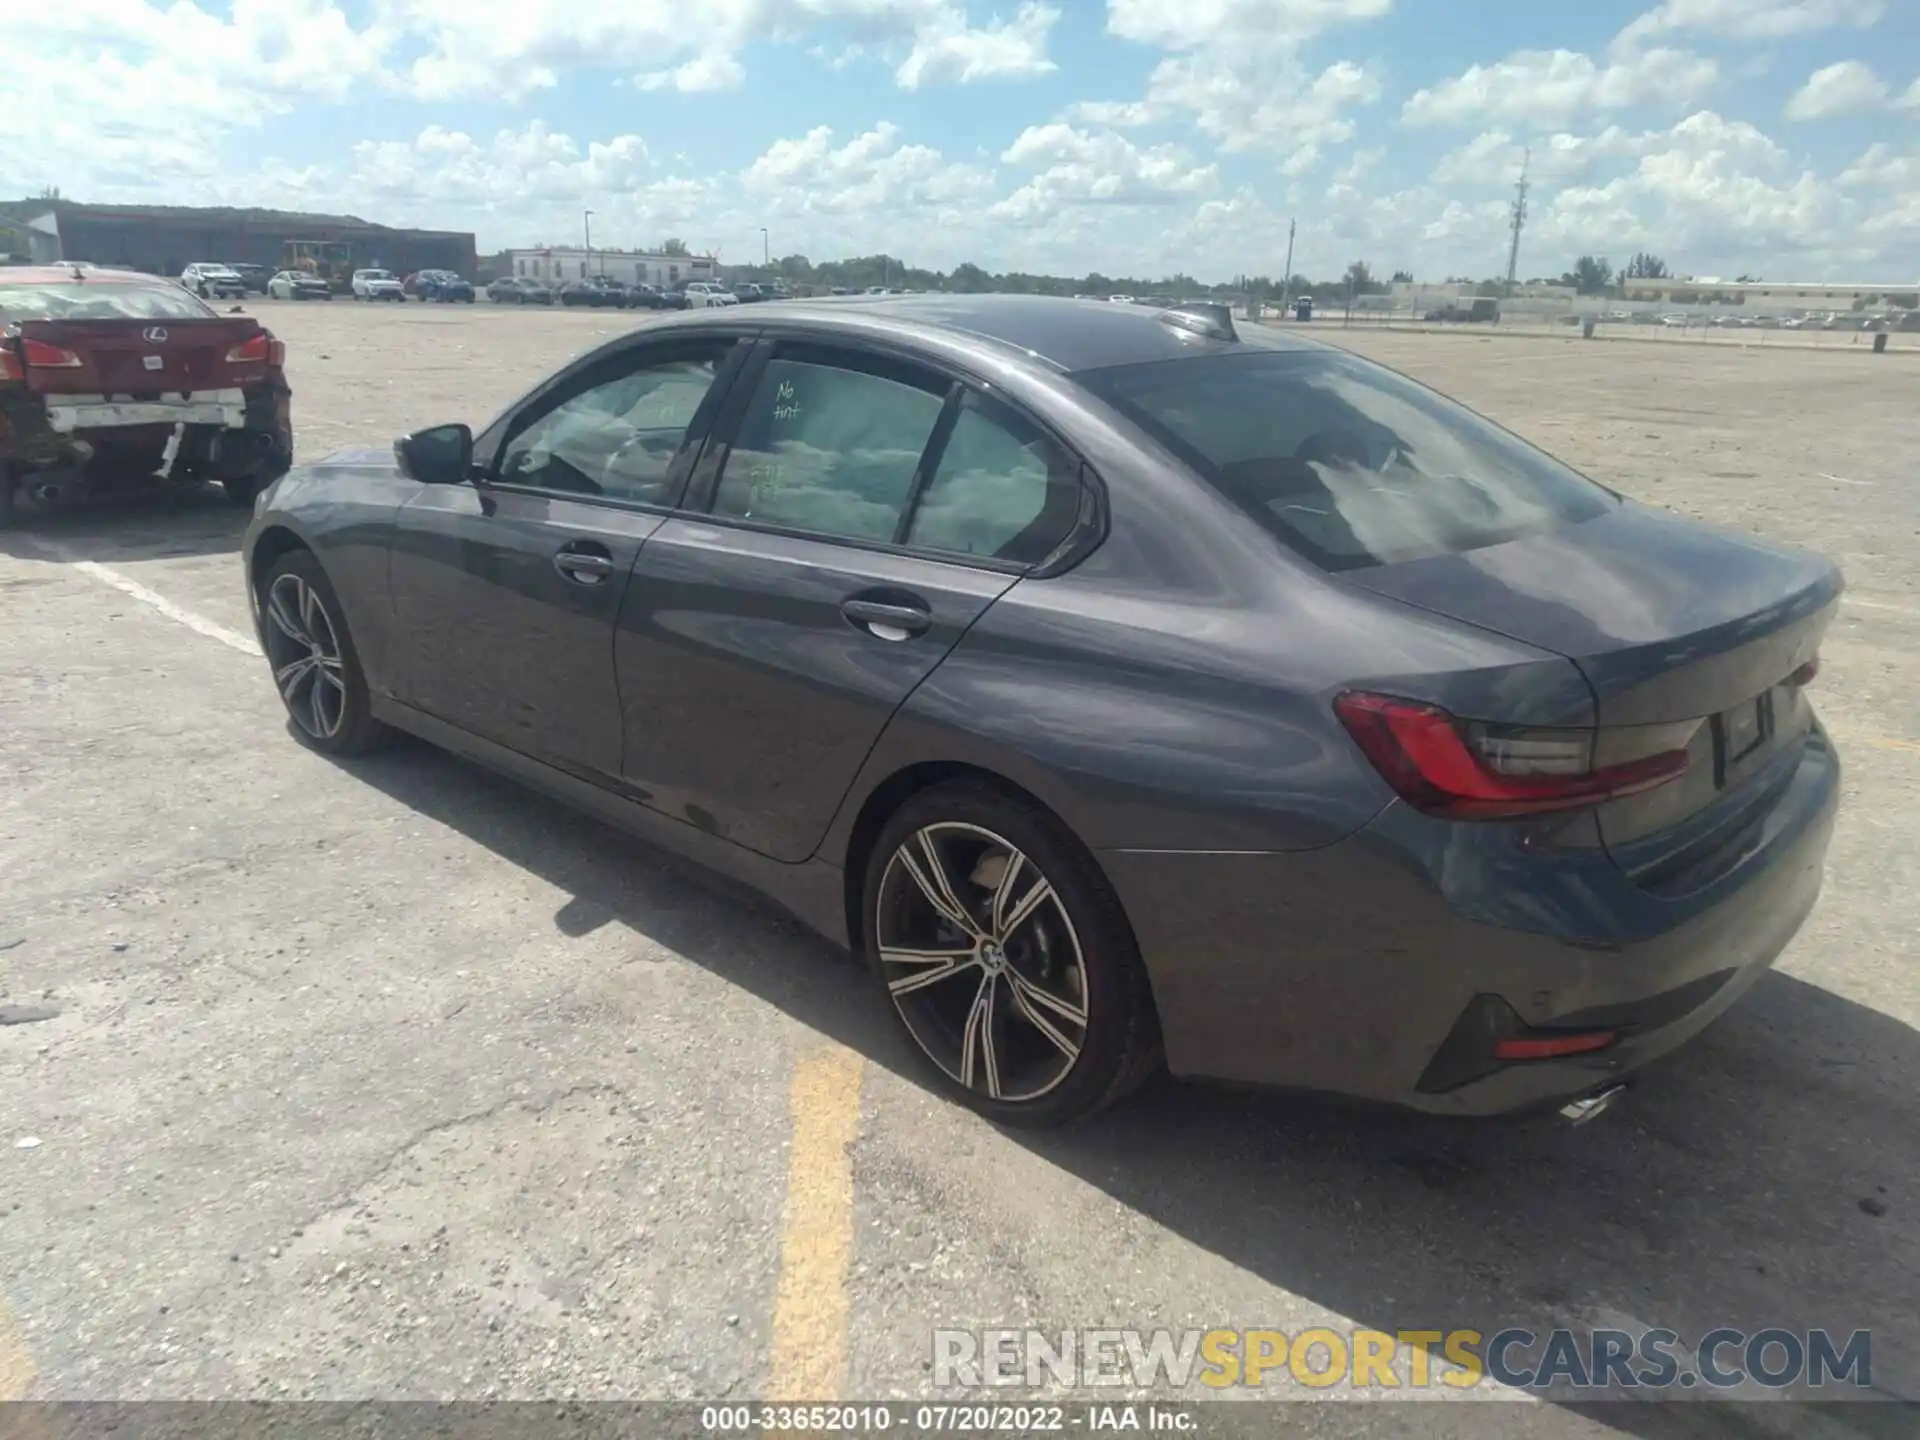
(165, 239)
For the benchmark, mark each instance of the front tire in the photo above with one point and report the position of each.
(315, 666)
(1006, 958)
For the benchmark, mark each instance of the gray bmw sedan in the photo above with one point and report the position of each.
(1127, 686)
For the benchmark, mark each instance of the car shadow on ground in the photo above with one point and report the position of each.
(142, 522)
(1763, 1177)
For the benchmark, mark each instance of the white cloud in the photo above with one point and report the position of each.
(1549, 87)
(1219, 23)
(1754, 19)
(1837, 89)
(1883, 167)
(1247, 102)
(1080, 167)
(1494, 157)
(950, 50)
(514, 48)
(1910, 100)
(715, 70)
(874, 173)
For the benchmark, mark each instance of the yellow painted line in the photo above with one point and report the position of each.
(16, 1365)
(810, 1308)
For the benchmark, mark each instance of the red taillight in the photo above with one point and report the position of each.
(1549, 1047)
(1804, 675)
(257, 348)
(42, 356)
(1427, 755)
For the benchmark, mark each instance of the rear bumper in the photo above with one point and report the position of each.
(71, 413)
(1346, 969)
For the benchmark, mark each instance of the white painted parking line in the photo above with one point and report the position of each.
(212, 629)
(1843, 480)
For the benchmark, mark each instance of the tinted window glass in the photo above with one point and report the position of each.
(1002, 489)
(99, 300)
(828, 450)
(1345, 461)
(617, 439)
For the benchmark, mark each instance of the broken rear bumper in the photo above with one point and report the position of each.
(73, 413)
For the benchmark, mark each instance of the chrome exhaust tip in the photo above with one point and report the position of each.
(1591, 1107)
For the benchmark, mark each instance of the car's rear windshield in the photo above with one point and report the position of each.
(98, 300)
(1345, 461)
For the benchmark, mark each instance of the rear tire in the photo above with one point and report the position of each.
(7, 481)
(314, 663)
(242, 492)
(1006, 958)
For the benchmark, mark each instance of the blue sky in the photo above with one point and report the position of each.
(1130, 136)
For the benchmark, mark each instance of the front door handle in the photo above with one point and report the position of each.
(583, 567)
(885, 620)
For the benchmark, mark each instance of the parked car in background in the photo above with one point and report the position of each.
(1480, 786)
(444, 286)
(212, 281)
(377, 285)
(108, 375)
(599, 291)
(706, 294)
(748, 293)
(643, 296)
(518, 290)
(298, 285)
(254, 277)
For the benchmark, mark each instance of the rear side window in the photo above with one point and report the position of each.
(829, 450)
(1002, 489)
(1346, 462)
(99, 300)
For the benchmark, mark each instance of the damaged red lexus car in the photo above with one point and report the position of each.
(113, 375)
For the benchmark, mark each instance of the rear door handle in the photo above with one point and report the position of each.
(887, 621)
(584, 567)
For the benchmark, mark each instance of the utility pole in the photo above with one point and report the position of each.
(1519, 221)
(587, 221)
(1286, 280)
(766, 250)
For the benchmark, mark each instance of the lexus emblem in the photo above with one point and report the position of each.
(154, 335)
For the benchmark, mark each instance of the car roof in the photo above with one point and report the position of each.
(1065, 334)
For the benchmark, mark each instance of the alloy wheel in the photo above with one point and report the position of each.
(982, 961)
(304, 650)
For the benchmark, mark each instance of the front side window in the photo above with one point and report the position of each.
(617, 439)
(1002, 489)
(1345, 461)
(829, 450)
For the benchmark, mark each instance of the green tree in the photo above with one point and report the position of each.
(1646, 266)
(1591, 275)
(674, 245)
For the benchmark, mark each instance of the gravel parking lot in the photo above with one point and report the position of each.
(394, 1080)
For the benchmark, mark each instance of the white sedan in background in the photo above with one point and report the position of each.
(378, 285)
(704, 293)
(298, 285)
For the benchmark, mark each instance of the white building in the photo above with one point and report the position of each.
(555, 263)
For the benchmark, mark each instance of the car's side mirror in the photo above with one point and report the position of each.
(440, 456)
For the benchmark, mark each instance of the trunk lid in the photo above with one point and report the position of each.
(143, 357)
(1669, 620)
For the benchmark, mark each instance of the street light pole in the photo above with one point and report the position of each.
(587, 221)
(766, 250)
